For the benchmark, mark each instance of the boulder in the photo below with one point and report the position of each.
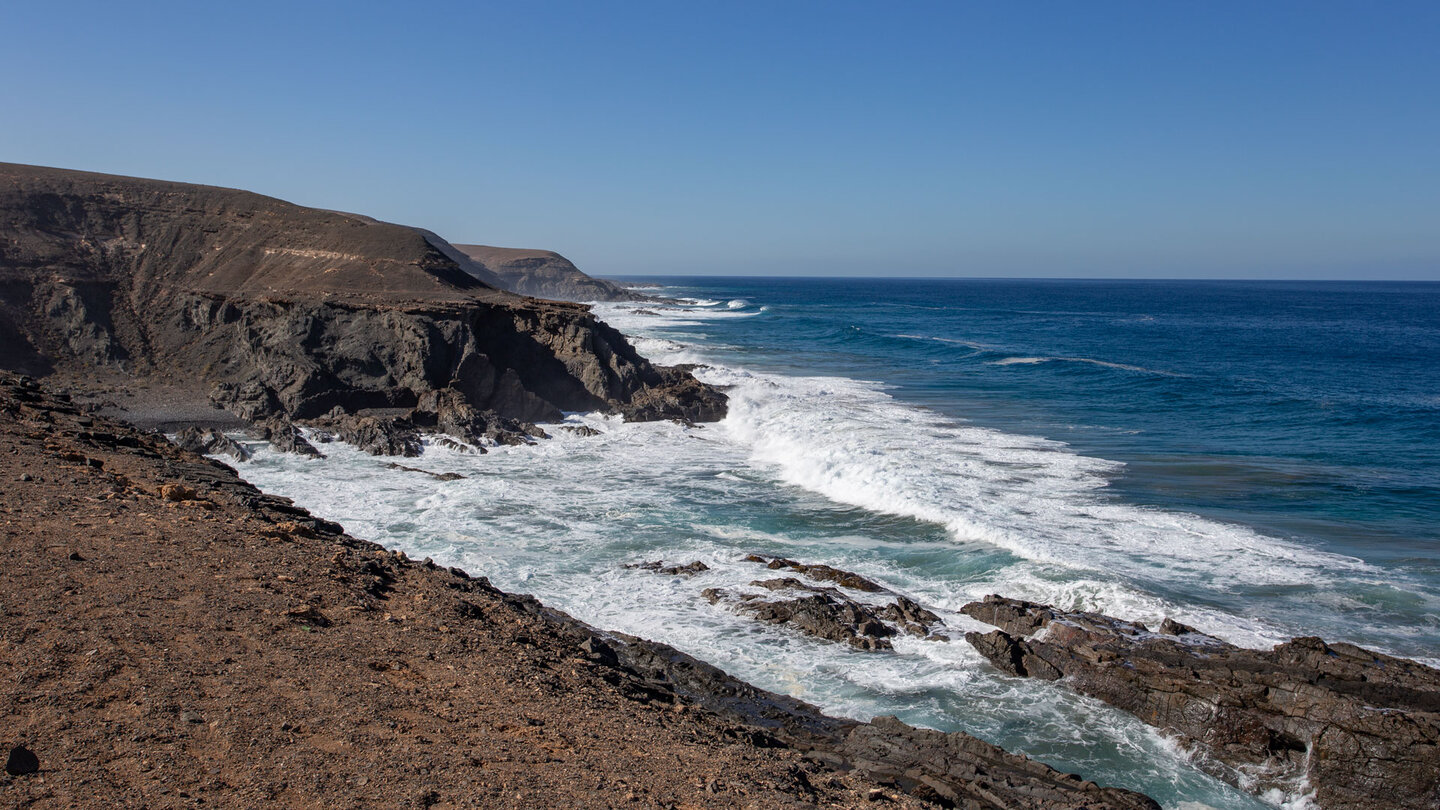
(211, 442)
(284, 437)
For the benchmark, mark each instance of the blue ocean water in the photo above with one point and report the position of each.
(1307, 410)
(1260, 460)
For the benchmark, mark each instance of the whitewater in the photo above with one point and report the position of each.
(836, 469)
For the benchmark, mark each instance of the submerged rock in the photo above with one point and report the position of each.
(687, 570)
(449, 476)
(1361, 727)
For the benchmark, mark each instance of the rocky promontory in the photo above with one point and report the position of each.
(183, 304)
(173, 637)
(545, 274)
(1361, 728)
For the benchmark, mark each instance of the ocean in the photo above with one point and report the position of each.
(1258, 459)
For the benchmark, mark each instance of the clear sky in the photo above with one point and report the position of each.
(1151, 139)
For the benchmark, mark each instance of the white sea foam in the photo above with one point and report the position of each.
(1033, 361)
(954, 341)
(852, 442)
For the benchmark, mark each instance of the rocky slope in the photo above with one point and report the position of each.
(1361, 727)
(545, 274)
(169, 297)
(172, 637)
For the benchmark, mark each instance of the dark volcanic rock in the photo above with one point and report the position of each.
(21, 761)
(449, 476)
(677, 396)
(545, 274)
(828, 612)
(271, 309)
(211, 442)
(957, 770)
(378, 436)
(658, 566)
(284, 437)
(948, 770)
(821, 612)
(821, 572)
(912, 618)
(1363, 728)
(447, 411)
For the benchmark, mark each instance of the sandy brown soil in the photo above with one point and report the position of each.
(169, 637)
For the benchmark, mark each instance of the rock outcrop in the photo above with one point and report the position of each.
(274, 310)
(545, 274)
(816, 610)
(1361, 727)
(211, 442)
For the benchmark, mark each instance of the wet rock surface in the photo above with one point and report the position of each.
(676, 396)
(376, 435)
(448, 476)
(821, 572)
(658, 566)
(816, 610)
(824, 613)
(211, 442)
(284, 437)
(1361, 727)
(226, 648)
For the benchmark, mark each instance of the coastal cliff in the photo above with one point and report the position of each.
(544, 274)
(170, 297)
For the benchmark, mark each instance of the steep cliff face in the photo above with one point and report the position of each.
(272, 309)
(544, 274)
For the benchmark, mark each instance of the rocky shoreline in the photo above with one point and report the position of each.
(174, 637)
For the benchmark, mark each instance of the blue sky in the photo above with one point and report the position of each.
(1144, 139)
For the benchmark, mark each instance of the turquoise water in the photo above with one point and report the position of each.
(1258, 460)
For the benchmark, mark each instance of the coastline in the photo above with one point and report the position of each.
(177, 635)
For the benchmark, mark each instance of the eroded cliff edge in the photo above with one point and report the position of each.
(198, 295)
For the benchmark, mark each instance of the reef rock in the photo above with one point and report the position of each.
(828, 612)
(1361, 727)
